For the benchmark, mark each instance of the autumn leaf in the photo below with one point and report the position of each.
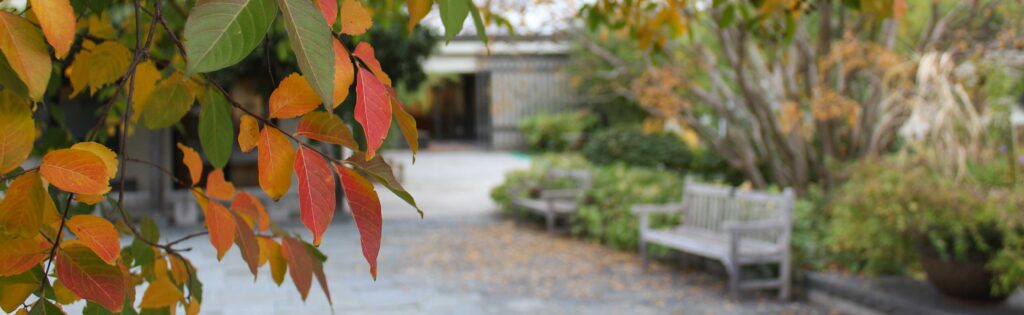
(21, 254)
(365, 205)
(326, 127)
(21, 211)
(192, 161)
(247, 244)
(407, 124)
(222, 227)
(169, 102)
(274, 163)
(57, 19)
(330, 10)
(344, 73)
(22, 45)
(101, 65)
(293, 97)
(417, 10)
(161, 293)
(180, 269)
(15, 122)
(103, 152)
(300, 264)
(89, 277)
(62, 294)
(251, 210)
(219, 188)
(270, 251)
(97, 234)
(76, 171)
(146, 78)
(310, 38)
(372, 111)
(248, 133)
(318, 272)
(366, 54)
(355, 19)
(316, 192)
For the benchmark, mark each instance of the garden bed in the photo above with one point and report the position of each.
(895, 295)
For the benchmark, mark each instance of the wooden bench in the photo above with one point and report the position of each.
(735, 227)
(555, 204)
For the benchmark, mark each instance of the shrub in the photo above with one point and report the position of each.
(556, 132)
(636, 148)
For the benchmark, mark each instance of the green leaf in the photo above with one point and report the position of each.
(220, 33)
(216, 128)
(481, 31)
(91, 308)
(453, 15)
(44, 306)
(168, 103)
(311, 38)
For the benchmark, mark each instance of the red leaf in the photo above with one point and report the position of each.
(373, 110)
(222, 227)
(300, 264)
(247, 244)
(316, 191)
(366, 53)
(252, 210)
(89, 277)
(362, 199)
(330, 10)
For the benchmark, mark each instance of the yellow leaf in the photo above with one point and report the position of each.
(161, 293)
(102, 65)
(106, 154)
(23, 46)
(192, 161)
(15, 123)
(270, 251)
(355, 19)
(101, 27)
(179, 269)
(248, 133)
(89, 199)
(63, 295)
(76, 171)
(417, 10)
(192, 308)
(15, 293)
(21, 211)
(146, 77)
(293, 97)
(57, 19)
(274, 162)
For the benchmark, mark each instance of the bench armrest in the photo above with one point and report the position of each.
(735, 226)
(644, 209)
(560, 194)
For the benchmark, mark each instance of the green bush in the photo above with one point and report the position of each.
(636, 148)
(605, 214)
(556, 132)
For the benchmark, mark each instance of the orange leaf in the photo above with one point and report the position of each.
(344, 73)
(15, 124)
(300, 264)
(251, 209)
(248, 133)
(98, 234)
(270, 251)
(21, 211)
(217, 187)
(407, 124)
(26, 53)
(179, 269)
(326, 127)
(21, 254)
(275, 163)
(192, 161)
(366, 53)
(247, 244)
(222, 227)
(355, 19)
(57, 19)
(76, 171)
(365, 205)
(316, 192)
(293, 97)
(161, 293)
(89, 199)
(330, 10)
(106, 154)
(89, 277)
(373, 111)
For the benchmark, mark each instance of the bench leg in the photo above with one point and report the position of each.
(733, 270)
(643, 255)
(784, 274)
(551, 222)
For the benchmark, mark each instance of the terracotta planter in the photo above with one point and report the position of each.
(967, 278)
